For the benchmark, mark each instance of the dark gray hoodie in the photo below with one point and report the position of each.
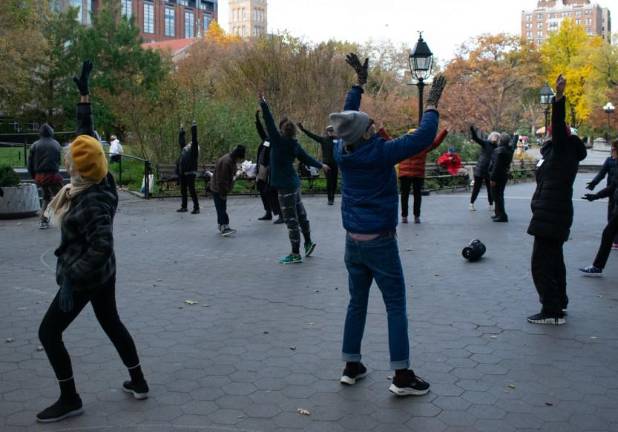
(45, 153)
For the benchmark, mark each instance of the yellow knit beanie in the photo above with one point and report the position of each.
(88, 158)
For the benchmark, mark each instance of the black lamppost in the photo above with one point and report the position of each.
(421, 64)
(609, 109)
(546, 95)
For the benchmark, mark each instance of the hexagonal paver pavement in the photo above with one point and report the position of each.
(257, 342)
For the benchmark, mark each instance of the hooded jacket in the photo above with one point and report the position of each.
(283, 152)
(487, 149)
(187, 161)
(552, 202)
(369, 183)
(223, 180)
(45, 154)
(501, 159)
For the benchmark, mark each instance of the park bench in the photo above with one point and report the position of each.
(441, 176)
(166, 174)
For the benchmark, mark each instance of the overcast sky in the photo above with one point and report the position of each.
(445, 23)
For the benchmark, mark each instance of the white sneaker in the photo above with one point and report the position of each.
(471, 207)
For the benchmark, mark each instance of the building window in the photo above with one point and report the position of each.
(127, 8)
(528, 17)
(183, 2)
(149, 18)
(189, 24)
(529, 35)
(207, 20)
(539, 26)
(539, 16)
(170, 22)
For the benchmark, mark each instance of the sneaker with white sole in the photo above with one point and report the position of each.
(138, 390)
(408, 384)
(591, 271)
(227, 231)
(353, 372)
(547, 318)
(60, 410)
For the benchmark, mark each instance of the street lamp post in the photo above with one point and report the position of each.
(609, 109)
(546, 95)
(421, 65)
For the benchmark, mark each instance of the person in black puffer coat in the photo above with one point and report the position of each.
(499, 169)
(86, 267)
(186, 168)
(552, 212)
(481, 170)
(610, 233)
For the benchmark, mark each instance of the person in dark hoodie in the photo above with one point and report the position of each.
(610, 166)
(499, 174)
(610, 233)
(481, 170)
(369, 213)
(86, 268)
(270, 198)
(44, 168)
(284, 150)
(222, 184)
(327, 142)
(186, 168)
(552, 212)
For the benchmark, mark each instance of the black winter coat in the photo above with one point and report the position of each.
(501, 159)
(327, 144)
(482, 165)
(610, 166)
(188, 159)
(45, 153)
(612, 189)
(552, 205)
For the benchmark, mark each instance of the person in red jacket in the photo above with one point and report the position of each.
(412, 175)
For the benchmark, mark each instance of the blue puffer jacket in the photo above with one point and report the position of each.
(369, 183)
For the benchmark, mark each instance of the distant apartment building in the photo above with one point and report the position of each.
(158, 20)
(248, 18)
(537, 24)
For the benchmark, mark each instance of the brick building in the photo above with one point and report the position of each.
(538, 23)
(158, 20)
(248, 18)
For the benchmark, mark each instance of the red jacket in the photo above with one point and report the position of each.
(415, 166)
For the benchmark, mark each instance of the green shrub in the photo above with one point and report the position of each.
(8, 177)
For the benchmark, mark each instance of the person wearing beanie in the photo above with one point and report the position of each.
(44, 168)
(552, 212)
(412, 176)
(481, 170)
(270, 198)
(222, 184)
(186, 168)
(284, 150)
(327, 142)
(610, 233)
(86, 268)
(369, 214)
(499, 169)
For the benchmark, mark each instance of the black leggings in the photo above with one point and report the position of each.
(549, 274)
(270, 198)
(417, 188)
(609, 236)
(331, 181)
(188, 181)
(478, 184)
(104, 305)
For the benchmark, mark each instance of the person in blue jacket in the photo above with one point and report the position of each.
(369, 212)
(284, 150)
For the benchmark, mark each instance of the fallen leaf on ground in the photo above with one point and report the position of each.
(39, 348)
(511, 386)
(191, 302)
(293, 348)
(9, 340)
(304, 412)
(549, 404)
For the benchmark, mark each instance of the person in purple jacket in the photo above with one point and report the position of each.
(369, 212)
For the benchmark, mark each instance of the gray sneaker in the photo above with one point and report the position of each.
(227, 231)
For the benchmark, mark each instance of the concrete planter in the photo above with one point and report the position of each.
(19, 202)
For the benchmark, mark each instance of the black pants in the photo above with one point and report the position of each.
(56, 321)
(49, 192)
(270, 198)
(221, 207)
(295, 216)
(609, 236)
(188, 181)
(416, 183)
(549, 274)
(611, 207)
(331, 181)
(498, 195)
(478, 184)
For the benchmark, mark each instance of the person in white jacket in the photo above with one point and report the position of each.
(115, 149)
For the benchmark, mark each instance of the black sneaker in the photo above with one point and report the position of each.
(409, 384)
(138, 390)
(196, 211)
(266, 217)
(591, 271)
(279, 221)
(331, 202)
(500, 219)
(63, 408)
(352, 373)
(182, 210)
(546, 318)
(44, 224)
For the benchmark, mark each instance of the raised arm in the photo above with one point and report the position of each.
(182, 140)
(315, 137)
(558, 116)
(195, 149)
(271, 128)
(475, 137)
(259, 127)
(353, 98)
(85, 124)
